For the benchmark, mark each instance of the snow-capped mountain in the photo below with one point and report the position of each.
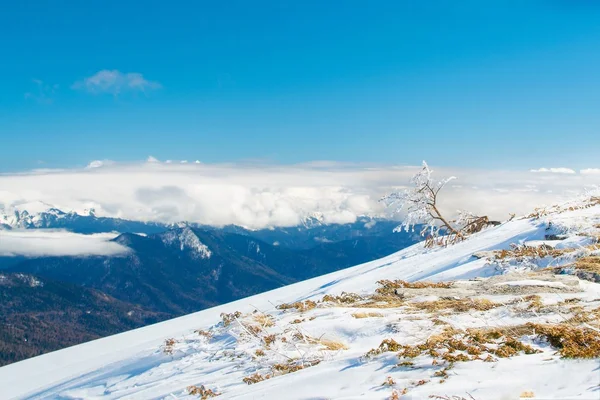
(85, 221)
(186, 240)
(306, 235)
(502, 315)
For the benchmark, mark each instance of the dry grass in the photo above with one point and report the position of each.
(454, 346)
(535, 302)
(456, 305)
(204, 333)
(388, 287)
(520, 252)
(385, 346)
(292, 366)
(333, 345)
(354, 300)
(541, 212)
(527, 395)
(301, 306)
(268, 340)
(168, 346)
(344, 298)
(571, 341)
(252, 329)
(228, 318)
(255, 378)
(408, 364)
(360, 315)
(388, 382)
(264, 320)
(202, 391)
(588, 264)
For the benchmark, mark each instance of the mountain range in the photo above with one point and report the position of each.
(170, 270)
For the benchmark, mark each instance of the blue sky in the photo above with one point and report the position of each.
(495, 84)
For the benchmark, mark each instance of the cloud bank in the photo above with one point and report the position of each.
(115, 82)
(40, 243)
(554, 170)
(258, 196)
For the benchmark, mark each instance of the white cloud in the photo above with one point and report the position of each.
(151, 159)
(99, 163)
(40, 243)
(259, 196)
(115, 82)
(590, 171)
(554, 170)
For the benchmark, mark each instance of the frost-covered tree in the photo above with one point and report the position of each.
(420, 203)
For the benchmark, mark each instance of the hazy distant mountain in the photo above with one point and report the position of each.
(185, 269)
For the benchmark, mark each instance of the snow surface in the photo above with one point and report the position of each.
(132, 365)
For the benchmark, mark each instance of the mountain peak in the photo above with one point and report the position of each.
(186, 239)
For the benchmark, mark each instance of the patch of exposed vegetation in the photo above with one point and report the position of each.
(301, 306)
(228, 318)
(571, 341)
(206, 334)
(520, 252)
(168, 346)
(202, 391)
(255, 378)
(264, 320)
(388, 287)
(587, 203)
(456, 305)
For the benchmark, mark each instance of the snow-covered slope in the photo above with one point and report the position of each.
(326, 344)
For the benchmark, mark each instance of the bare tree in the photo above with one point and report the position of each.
(420, 203)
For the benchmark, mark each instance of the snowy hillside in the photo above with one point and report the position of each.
(512, 312)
